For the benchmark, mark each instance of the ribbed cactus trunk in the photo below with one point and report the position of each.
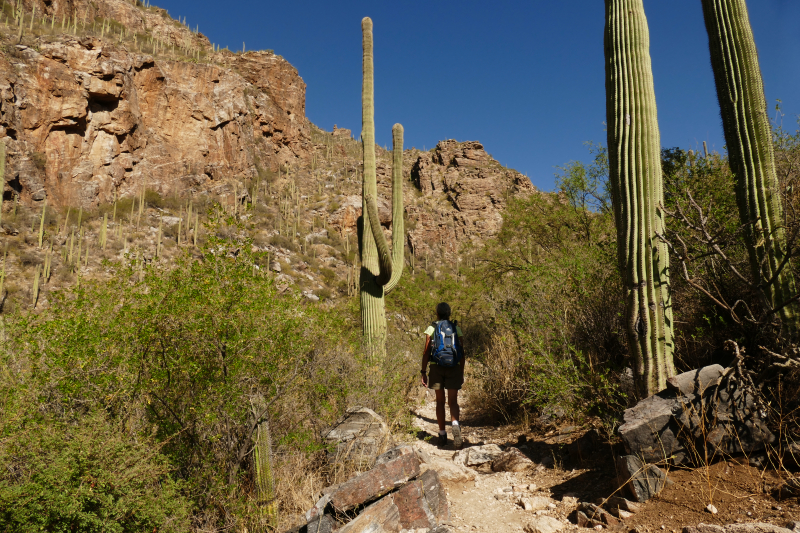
(748, 135)
(380, 268)
(264, 473)
(634, 150)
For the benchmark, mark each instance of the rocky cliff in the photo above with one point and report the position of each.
(115, 99)
(87, 119)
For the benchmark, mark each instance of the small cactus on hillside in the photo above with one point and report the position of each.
(380, 268)
(634, 152)
(748, 135)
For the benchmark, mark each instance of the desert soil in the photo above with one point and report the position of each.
(740, 492)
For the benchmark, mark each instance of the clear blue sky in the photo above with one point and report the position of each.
(524, 78)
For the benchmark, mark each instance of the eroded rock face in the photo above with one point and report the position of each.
(476, 185)
(85, 121)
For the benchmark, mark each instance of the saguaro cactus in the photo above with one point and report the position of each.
(380, 269)
(634, 150)
(748, 136)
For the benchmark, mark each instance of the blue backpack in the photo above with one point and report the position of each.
(446, 351)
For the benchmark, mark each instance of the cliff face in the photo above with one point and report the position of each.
(87, 119)
(458, 196)
(477, 189)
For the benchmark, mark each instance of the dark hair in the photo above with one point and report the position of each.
(443, 311)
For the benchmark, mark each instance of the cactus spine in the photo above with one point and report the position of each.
(748, 136)
(634, 151)
(380, 268)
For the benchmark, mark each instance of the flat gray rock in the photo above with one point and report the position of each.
(640, 481)
(544, 524)
(359, 437)
(477, 455)
(695, 381)
(650, 431)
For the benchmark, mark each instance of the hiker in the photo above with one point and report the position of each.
(445, 352)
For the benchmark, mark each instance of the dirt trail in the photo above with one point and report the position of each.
(740, 492)
(473, 504)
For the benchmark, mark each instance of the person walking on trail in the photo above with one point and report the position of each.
(445, 353)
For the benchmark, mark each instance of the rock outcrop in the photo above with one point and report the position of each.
(86, 120)
(695, 411)
(393, 496)
(477, 187)
(358, 437)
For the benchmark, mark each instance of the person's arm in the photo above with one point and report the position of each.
(425, 355)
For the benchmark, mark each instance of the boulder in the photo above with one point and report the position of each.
(790, 489)
(373, 484)
(641, 481)
(450, 471)
(615, 502)
(695, 381)
(584, 521)
(358, 437)
(727, 421)
(382, 516)
(597, 514)
(539, 503)
(650, 431)
(694, 409)
(791, 455)
(511, 460)
(320, 524)
(422, 503)
(477, 455)
(395, 453)
(544, 524)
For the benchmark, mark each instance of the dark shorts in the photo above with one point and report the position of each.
(440, 377)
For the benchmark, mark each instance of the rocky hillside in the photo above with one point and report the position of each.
(90, 119)
(112, 109)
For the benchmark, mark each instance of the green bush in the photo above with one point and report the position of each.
(87, 476)
(186, 360)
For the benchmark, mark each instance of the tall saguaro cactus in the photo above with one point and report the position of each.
(380, 268)
(748, 136)
(634, 150)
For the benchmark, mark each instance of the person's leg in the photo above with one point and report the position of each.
(440, 416)
(452, 401)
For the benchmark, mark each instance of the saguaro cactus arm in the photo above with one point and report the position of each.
(384, 257)
(398, 220)
(634, 149)
(391, 266)
(748, 135)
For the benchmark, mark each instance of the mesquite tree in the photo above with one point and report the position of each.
(634, 152)
(748, 136)
(380, 268)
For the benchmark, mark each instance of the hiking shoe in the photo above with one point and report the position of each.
(457, 441)
(442, 440)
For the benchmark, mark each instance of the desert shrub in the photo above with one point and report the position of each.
(189, 358)
(328, 275)
(90, 476)
(283, 242)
